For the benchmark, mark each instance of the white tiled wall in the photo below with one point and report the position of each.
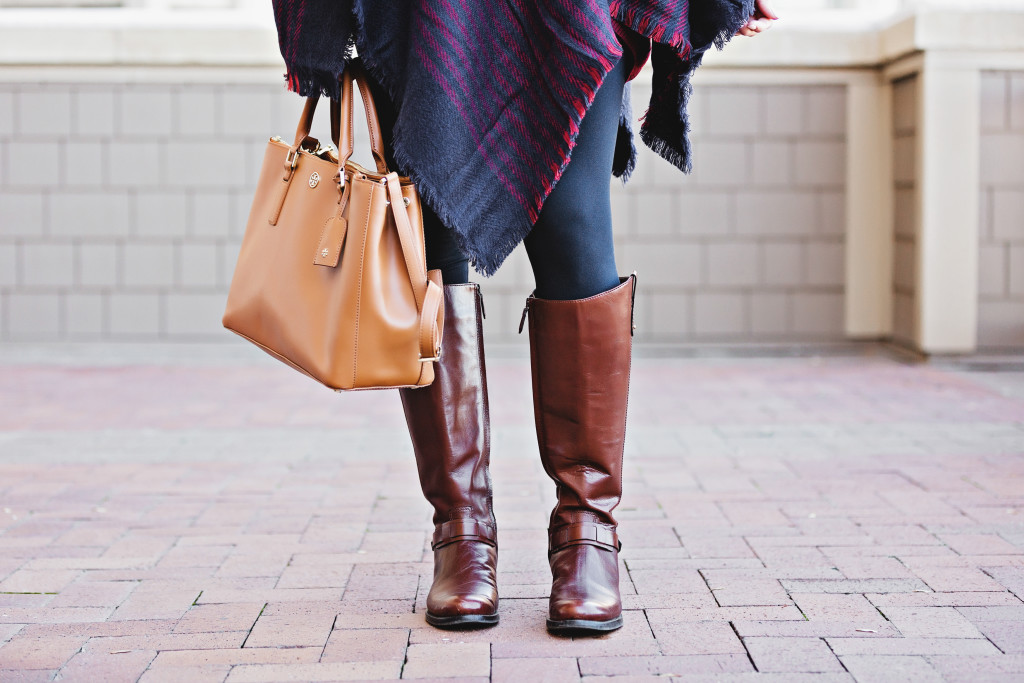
(1001, 285)
(904, 175)
(122, 208)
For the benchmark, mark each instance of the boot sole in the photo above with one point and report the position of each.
(463, 621)
(584, 626)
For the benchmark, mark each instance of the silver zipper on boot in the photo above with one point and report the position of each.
(526, 309)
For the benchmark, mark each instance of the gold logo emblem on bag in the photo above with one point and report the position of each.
(314, 179)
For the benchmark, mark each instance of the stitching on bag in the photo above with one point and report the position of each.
(409, 265)
(359, 290)
(351, 125)
(364, 92)
(323, 232)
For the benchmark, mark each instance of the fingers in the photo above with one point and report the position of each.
(754, 26)
(760, 21)
(763, 10)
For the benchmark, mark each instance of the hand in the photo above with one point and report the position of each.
(760, 20)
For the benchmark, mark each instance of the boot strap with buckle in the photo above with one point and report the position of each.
(583, 533)
(463, 530)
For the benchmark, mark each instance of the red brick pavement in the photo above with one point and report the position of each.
(789, 519)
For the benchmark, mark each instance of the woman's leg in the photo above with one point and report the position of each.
(443, 252)
(570, 247)
(580, 347)
(450, 429)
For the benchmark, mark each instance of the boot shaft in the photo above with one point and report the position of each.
(449, 422)
(580, 354)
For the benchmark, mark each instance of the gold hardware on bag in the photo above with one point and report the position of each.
(314, 179)
(324, 151)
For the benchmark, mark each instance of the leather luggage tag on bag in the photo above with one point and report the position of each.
(331, 240)
(332, 237)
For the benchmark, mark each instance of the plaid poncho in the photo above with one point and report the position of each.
(490, 93)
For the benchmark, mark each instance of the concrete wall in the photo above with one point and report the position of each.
(905, 252)
(1001, 282)
(122, 208)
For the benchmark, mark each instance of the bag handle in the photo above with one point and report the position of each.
(341, 112)
(429, 296)
(301, 134)
(342, 126)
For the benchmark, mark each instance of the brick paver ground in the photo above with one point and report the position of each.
(791, 519)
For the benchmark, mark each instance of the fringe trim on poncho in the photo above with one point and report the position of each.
(490, 95)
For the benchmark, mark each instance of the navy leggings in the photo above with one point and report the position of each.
(570, 246)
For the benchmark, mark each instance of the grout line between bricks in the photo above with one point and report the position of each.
(700, 573)
(148, 666)
(405, 659)
(647, 618)
(744, 644)
(277, 582)
(629, 573)
(329, 634)
(838, 658)
(415, 595)
(257, 620)
(746, 542)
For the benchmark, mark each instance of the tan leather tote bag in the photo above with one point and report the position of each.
(331, 277)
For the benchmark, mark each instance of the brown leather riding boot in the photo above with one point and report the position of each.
(450, 429)
(580, 354)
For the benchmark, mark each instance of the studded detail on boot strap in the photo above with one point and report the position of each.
(463, 529)
(583, 532)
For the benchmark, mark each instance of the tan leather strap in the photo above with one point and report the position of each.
(342, 130)
(302, 130)
(301, 137)
(430, 338)
(342, 122)
(429, 297)
(463, 530)
(583, 532)
(281, 193)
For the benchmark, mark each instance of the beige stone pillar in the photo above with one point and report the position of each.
(869, 208)
(947, 201)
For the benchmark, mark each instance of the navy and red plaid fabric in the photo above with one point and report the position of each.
(490, 93)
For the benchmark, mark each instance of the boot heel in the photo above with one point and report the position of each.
(583, 626)
(463, 621)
